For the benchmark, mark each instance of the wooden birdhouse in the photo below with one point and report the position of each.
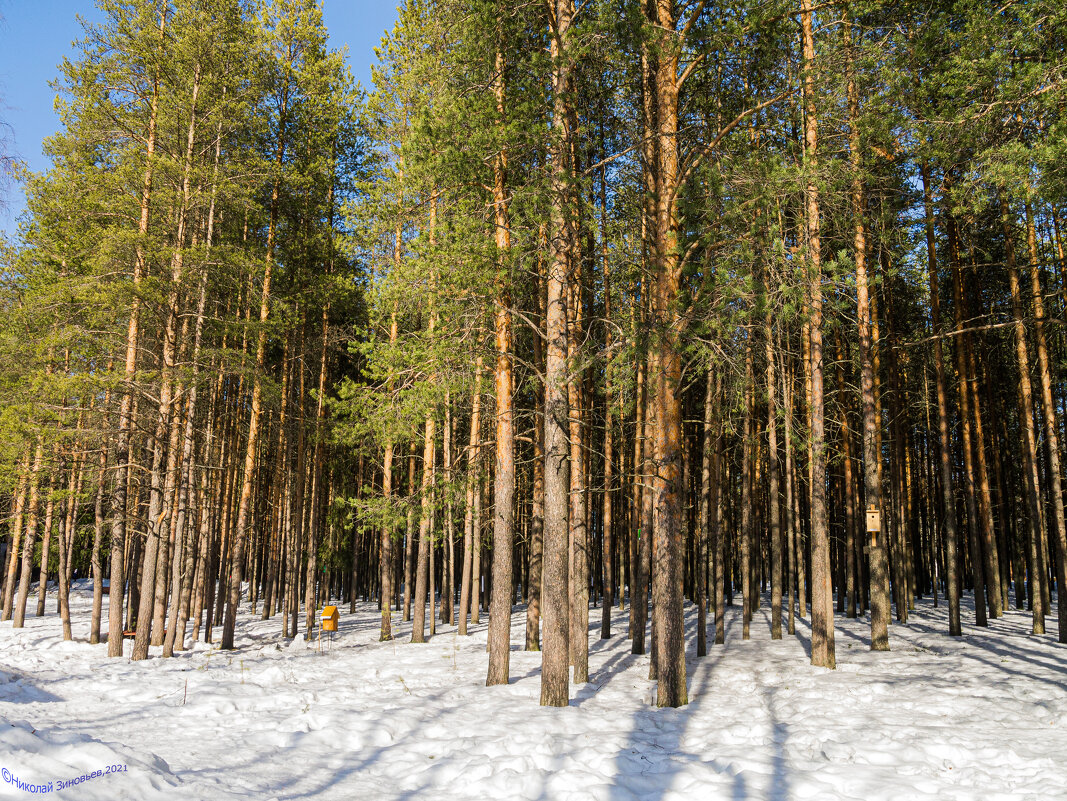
(329, 618)
(874, 520)
(874, 526)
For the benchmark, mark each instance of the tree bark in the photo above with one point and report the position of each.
(948, 501)
(792, 527)
(748, 463)
(607, 516)
(95, 560)
(773, 501)
(555, 593)
(822, 613)
(30, 537)
(969, 470)
(879, 568)
(165, 441)
(386, 547)
(668, 545)
(499, 638)
(1058, 531)
(46, 549)
(704, 531)
(578, 529)
(418, 616)
(473, 465)
(1026, 414)
(117, 588)
(15, 530)
(410, 542)
(240, 530)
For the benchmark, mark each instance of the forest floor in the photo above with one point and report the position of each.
(982, 717)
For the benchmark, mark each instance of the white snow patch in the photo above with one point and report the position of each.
(981, 717)
(61, 764)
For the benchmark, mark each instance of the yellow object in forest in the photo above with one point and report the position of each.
(329, 618)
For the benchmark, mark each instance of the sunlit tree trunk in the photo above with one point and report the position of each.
(30, 537)
(473, 465)
(668, 544)
(1026, 415)
(1058, 531)
(504, 475)
(117, 587)
(822, 613)
(244, 505)
(555, 593)
(879, 568)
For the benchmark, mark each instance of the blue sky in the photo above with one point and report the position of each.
(35, 35)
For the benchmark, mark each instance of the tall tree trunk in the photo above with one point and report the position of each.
(536, 547)
(66, 542)
(499, 638)
(638, 578)
(792, 527)
(748, 465)
(948, 500)
(30, 538)
(424, 575)
(555, 682)
(46, 549)
(822, 612)
(473, 465)
(578, 530)
(386, 548)
(1057, 531)
(537, 511)
(476, 549)
(879, 570)
(409, 538)
(315, 482)
(721, 572)
(182, 582)
(668, 545)
(448, 575)
(164, 451)
(773, 502)
(1026, 414)
(180, 614)
(991, 561)
(969, 470)
(607, 517)
(704, 534)
(240, 530)
(645, 528)
(418, 617)
(280, 482)
(117, 588)
(803, 584)
(95, 560)
(15, 529)
(850, 492)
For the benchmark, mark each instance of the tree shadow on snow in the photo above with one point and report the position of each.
(18, 688)
(1003, 654)
(658, 751)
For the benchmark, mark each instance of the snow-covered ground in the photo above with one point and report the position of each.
(977, 718)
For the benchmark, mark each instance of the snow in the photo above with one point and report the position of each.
(982, 717)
